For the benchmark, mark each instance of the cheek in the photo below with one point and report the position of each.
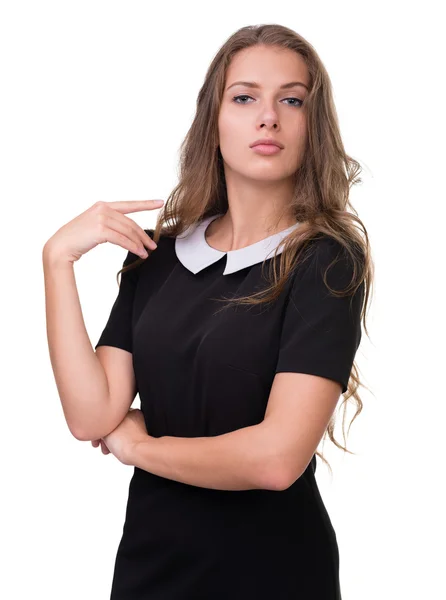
(300, 145)
(230, 131)
(296, 147)
(233, 141)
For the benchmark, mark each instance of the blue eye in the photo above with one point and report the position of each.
(246, 96)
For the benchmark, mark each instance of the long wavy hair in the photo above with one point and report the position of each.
(321, 193)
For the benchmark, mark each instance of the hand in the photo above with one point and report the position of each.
(102, 222)
(121, 441)
(96, 443)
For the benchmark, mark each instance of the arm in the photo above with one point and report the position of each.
(238, 460)
(271, 455)
(80, 378)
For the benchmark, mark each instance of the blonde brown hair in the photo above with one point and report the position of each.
(322, 183)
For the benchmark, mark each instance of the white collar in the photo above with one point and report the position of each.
(195, 254)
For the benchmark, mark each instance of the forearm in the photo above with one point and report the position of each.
(80, 378)
(238, 460)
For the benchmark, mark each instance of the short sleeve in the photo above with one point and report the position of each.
(118, 331)
(321, 332)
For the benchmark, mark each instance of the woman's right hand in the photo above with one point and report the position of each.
(96, 443)
(103, 222)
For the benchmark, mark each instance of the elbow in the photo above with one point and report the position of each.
(87, 435)
(281, 481)
(87, 431)
(80, 435)
(274, 475)
(275, 471)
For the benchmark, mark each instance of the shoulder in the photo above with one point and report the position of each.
(131, 258)
(135, 258)
(131, 271)
(164, 234)
(331, 263)
(326, 248)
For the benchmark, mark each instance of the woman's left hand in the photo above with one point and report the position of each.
(127, 434)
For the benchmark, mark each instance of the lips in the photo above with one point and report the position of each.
(267, 142)
(266, 149)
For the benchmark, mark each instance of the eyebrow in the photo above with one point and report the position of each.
(252, 84)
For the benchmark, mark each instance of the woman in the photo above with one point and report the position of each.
(239, 332)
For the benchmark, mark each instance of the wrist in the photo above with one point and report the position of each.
(53, 258)
(134, 450)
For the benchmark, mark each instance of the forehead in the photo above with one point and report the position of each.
(267, 66)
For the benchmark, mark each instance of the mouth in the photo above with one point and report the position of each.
(267, 141)
(267, 149)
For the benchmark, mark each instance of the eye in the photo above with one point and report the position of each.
(297, 99)
(300, 102)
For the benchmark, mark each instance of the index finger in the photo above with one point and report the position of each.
(130, 206)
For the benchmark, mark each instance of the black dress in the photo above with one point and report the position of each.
(205, 372)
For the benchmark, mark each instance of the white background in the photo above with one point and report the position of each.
(96, 98)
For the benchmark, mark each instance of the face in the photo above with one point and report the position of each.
(267, 111)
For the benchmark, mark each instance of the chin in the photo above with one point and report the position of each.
(267, 174)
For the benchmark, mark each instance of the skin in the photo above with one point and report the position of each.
(260, 187)
(129, 432)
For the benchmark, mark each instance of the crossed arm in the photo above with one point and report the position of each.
(269, 455)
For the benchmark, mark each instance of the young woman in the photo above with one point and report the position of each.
(238, 330)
